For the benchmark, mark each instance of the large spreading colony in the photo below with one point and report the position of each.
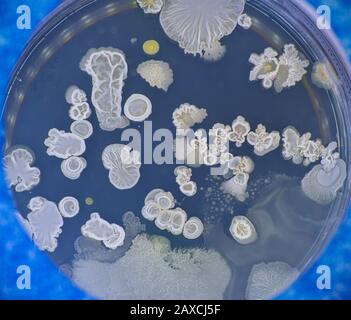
(198, 26)
(151, 269)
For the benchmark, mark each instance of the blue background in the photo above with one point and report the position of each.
(46, 283)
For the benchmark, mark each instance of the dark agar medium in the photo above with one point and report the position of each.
(241, 214)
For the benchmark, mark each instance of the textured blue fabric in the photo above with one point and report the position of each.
(47, 282)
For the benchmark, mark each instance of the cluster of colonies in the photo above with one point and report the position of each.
(160, 207)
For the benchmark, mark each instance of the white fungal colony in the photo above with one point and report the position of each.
(19, 171)
(160, 207)
(189, 188)
(123, 164)
(71, 145)
(108, 69)
(322, 185)
(183, 174)
(193, 228)
(267, 280)
(187, 115)
(45, 223)
(218, 141)
(245, 21)
(150, 6)
(151, 196)
(237, 185)
(157, 201)
(82, 128)
(177, 222)
(97, 228)
(195, 149)
(241, 165)
(117, 238)
(323, 75)
(330, 156)
(198, 25)
(262, 141)
(150, 268)
(69, 207)
(137, 107)
(80, 109)
(183, 177)
(165, 200)
(156, 73)
(266, 67)
(292, 65)
(163, 220)
(283, 72)
(172, 220)
(300, 149)
(111, 235)
(210, 159)
(240, 129)
(242, 230)
(73, 167)
(63, 144)
(215, 52)
(75, 95)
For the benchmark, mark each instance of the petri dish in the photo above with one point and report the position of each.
(292, 231)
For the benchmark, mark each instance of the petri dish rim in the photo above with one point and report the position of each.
(300, 19)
